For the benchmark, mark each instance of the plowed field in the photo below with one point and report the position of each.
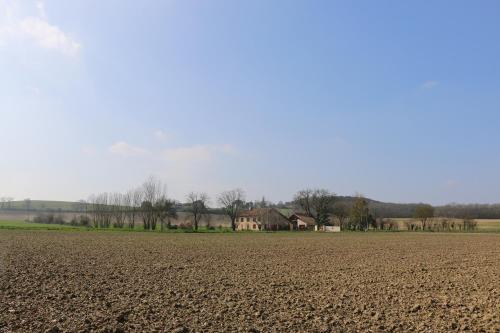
(249, 282)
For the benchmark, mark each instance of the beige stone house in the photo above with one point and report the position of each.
(263, 219)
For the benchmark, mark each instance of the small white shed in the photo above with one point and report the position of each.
(327, 228)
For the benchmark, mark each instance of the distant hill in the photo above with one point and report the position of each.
(407, 210)
(43, 205)
(64, 206)
(377, 208)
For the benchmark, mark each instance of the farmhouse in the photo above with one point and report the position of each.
(273, 219)
(263, 219)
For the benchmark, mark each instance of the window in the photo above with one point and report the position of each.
(255, 226)
(248, 219)
(254, 219)
(242, 219)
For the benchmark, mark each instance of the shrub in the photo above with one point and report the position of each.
(82, 220)
(49, 219)
(469, 224)
(186, 225)
(58, 219)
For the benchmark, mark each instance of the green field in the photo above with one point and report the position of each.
(482, 226)
(23, 225)
(488, 225)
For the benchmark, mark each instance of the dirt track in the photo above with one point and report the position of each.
(123, 282)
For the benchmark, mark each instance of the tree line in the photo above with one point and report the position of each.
(149, 207)
(377, 208)
(148, 204)
(326, 209)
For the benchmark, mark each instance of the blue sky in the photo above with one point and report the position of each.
(397, 100)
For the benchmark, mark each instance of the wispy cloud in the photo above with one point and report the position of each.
(49, 36)
(126, 150)
(37, 29)
(40, 6)
(197, 153)
(451, 184)
(160, 135)
(429, 84)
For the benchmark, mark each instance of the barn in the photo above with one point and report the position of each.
(302, 222)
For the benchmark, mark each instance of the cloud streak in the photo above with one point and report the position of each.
(38, 30)
(160, 135)
(429, 84)
(189, 154)
(197, 153)
(49, 36)
(126, 150)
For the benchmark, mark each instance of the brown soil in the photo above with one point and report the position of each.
(307, 282)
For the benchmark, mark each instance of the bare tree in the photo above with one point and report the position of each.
(208, 221)
(360, 214)
(106, 210)
(233, 202)
(136, 206)
(153, 191)
(117, 208)
(132, 201)
(469, 224)
(127, 206)
(148, 215)
(392, 224)
(341, 212)
(317, 204)
(444, 224)
(92, 210)
(100, 210)
(166, 210)
(197, 207)
(424, 213)
(103, 210)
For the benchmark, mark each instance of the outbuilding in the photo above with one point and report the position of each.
(302, 222)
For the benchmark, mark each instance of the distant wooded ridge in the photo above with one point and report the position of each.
(377, 208)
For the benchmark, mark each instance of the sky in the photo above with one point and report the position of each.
(396, 100)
